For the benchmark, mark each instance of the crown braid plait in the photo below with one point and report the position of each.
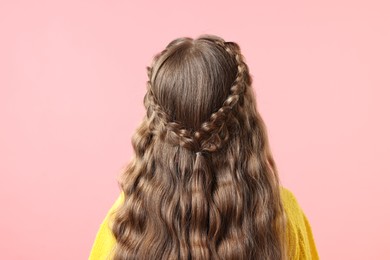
(213, 133)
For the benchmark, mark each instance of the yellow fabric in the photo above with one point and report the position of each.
(300, 235)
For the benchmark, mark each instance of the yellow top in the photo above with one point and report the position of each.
(300, 236)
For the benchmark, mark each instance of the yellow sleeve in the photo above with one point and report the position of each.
(299, 233)
(310, 238)
(104, 240)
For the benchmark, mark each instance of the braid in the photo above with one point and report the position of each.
(213, 133)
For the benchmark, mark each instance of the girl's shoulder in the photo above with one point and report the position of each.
(299, 232)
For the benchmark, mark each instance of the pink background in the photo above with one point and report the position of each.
(72, 79)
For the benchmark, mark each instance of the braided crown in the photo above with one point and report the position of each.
(213, 133)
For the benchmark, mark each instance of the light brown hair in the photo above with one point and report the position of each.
(202, 183)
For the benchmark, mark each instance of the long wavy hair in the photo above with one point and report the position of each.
(202, 183)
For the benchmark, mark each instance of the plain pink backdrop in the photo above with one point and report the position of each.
(72, 80)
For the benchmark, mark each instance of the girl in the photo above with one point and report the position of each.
(203, 183)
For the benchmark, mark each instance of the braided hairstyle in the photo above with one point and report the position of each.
(203, 183)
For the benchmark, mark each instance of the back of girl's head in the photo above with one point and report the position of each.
(192, 78)
(202, 183)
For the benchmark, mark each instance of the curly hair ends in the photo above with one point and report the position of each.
(203, 183)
